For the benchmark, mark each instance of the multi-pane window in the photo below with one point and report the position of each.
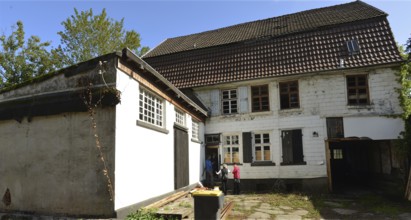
(229, 101)
(231, 149)
(260, 98)
(289, 95)
(357, 90)
(212, 139)
(335, 127)
(262, 147)
(338, 154)
(151, 108)
(180, 118)
(194, 130)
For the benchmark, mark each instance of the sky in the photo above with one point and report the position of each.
(157, 20)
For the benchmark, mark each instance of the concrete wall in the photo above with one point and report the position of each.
(321, 96)
(145, 157)
(51, 165)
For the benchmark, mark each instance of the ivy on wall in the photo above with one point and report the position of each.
(93, 98)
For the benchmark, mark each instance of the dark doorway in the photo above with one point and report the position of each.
(356, 163)
(181, 163)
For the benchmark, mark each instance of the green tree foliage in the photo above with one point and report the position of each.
(405, 100)
(86, 36)
(22, 60)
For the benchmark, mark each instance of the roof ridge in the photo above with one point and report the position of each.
(276, 17)
(282, 25)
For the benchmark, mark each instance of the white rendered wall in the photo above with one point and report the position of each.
(376, 128)
(145, 157)
(321, 96)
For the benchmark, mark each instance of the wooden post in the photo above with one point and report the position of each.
(408, 188)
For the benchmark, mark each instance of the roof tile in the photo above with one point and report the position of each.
(317, 48)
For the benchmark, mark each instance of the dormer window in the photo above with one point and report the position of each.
(353, 47)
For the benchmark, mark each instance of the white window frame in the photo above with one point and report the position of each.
(262, 145)
(151, 108)
(195, 130)
(229, 101)
(233, 142)
(180, 117)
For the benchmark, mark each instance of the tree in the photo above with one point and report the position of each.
(22, 60)
(404, 143)
(87, 36)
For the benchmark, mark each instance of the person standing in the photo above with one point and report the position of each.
(236, 174)
(224, 177)
(209, 172)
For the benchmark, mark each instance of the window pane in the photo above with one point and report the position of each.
(235, 139)
(257, 138)
(227, 155)
(258, 153)
(267, 153)
(266, 138)
(236, 155)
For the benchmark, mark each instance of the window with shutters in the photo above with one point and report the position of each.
(231, 149)
(260, 98)
(292, 146)
(229, 101)
(262, 147)
(289, 96)
(357, 90)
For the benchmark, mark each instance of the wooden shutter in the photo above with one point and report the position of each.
(243, 99)
(297, 137)
(287, 147)
(247, 147)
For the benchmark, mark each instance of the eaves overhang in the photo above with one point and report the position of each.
(130, 56)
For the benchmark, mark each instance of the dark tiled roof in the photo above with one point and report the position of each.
(277, 26)
(304, 42)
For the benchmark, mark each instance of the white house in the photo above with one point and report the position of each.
(137, 140)
(305, 100)
(300, 101)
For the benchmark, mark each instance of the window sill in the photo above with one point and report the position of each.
(290, 110)
(195, 141)
(231, 164)
(262, 113)
(262, 163)
(367, 106)
(152, 127)
(293, 164)
(180, 127)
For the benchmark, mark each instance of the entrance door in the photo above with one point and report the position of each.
(181, 163)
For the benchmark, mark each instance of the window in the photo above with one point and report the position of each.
(262, 147)
(180, 118)
(292, 145)
(289, 95)
(231, 149)
(229, 101)
(353, 47)
(212, 139)
(335, 128)
(151, 108)
(337, 154)
(260, 98)
(195, 130)
(357, 90)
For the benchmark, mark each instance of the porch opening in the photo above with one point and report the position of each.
(362, 163)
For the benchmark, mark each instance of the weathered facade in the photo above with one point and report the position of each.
(84, 141)
(302, 100)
